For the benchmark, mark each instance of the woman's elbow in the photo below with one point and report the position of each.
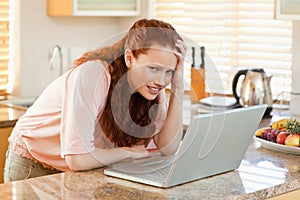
(78, 162)
(74, 163)
(82, 162)
(167, 151)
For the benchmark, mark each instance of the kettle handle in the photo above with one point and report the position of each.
(234, 84)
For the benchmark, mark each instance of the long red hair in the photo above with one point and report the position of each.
(126, 120)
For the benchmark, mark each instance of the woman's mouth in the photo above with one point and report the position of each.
(154, 90)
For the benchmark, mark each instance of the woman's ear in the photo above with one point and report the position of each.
(128, 56)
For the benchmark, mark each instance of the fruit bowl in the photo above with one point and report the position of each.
(282, 135)
(278, 147)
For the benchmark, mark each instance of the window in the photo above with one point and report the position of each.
(4, 45)
(237, 34)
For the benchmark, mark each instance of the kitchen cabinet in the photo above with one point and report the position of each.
(4, 134)
(287, 9)
(290, 195)
(93, 7)
(8, 119)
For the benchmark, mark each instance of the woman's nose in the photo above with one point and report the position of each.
(160, 79)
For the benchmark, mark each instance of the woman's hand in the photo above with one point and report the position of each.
(137, 151)
(168, 139)
(177, 81)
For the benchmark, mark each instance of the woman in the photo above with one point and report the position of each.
(106, 108)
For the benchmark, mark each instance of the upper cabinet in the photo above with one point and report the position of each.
(93, 7)
(287, 9)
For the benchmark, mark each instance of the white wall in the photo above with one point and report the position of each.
(36, 33)
(295, 99)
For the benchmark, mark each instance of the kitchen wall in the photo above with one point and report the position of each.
(35, 34)
(295, 97)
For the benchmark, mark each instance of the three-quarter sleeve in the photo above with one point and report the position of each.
(84, 98)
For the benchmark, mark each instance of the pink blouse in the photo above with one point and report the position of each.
(64, 119)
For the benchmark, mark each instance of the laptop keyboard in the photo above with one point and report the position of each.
(147, 165)
(161, 173)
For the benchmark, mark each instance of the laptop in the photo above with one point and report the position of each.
(214, 143)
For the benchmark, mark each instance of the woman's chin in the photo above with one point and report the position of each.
(149, 96)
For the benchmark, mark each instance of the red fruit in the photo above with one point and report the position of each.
(264, 135)
(275, 132)
(280, 139)
(271, 137)
(268, 130)
(293, 140)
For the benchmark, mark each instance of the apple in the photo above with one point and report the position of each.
(280, 139)
(293, 140)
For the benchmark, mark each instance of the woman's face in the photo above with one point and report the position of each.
(150, 72)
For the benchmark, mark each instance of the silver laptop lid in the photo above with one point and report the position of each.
(215, 143)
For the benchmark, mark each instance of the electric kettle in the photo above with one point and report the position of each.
(255, 89)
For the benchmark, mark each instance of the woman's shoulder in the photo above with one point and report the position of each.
(94, 70)
(94, 66)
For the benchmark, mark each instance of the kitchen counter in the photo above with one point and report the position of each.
(262, 174)
(9, 116)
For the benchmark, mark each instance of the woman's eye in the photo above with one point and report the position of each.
(170, 72)
(154, 68)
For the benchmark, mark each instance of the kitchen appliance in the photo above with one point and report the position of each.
(255, 89)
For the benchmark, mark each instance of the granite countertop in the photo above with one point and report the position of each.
(263, 173)
(9, 116)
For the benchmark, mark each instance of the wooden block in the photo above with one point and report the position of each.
(197, 84)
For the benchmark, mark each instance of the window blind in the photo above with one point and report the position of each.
(237, 34)
(4, 45)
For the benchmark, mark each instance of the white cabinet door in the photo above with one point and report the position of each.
(287, 9)
(106, 7)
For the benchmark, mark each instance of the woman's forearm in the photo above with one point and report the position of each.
(168, 139)
(103, 157)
